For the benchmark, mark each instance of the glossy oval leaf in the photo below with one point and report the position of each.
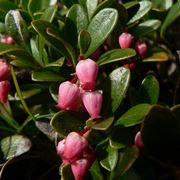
(16, 27)
(23, 57)
(149, 90)
(110, 160)
(161, 5)
(157, 57)
(49, 13)
(116, 55)
(40, 5)
(173, 14)
(102, 124)
(144, 8)
(146, 27)
(65, 122)
(100, 27)
(119, 83)
(176, 111)
(76, 21)
(15, 145)
(91, 7)
(121, 137)
(133, 116)
(157, 141)
(84, 40)
(29, 90)
(125, 162)
(46, 75)
(51, 35)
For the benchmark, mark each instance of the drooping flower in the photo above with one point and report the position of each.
(4, 70)
(125, 40)
(80, 168)
(93, 103)
(4, 90)
(73, 147)
(141, 48)
(69, 96)
(87, 71)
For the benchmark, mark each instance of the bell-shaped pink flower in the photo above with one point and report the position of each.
(72, 147)
(93, 103)
(4, 70)
(125, 40)
(138, 140)
(4, 90)
(80, 168)
(141, 48)
(87, 71)
(69, 96)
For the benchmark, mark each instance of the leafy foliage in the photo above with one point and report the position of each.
(139, 93)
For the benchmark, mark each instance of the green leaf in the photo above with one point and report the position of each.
(173, 14)
(133, 116)
(116, 55)
(16, 27)
(110, 160)
(53, 89)
(65, 122)
(102, 124)
(91, 7)
(130, 4)
(146, 27)
(66, 172)
(84, 40)
(96, 171)
(126, 160)
(49, 13)
(121, 137)
(51, 35)
(160, 134)
(57, 63)
(29, 90)
(46, 75)
(100, 27)
(15, 145)
(37, 6)
(76, 21)
(149, 90)
(161, 5)
(144, 8)
(6, 6)
(22, 55)
(115, 88)
(157, 57)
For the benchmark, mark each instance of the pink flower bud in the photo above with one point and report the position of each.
(87, 71)
(72, 147)
(4, 70)
(7, 39)
(141, 48)
(4, 90)
(93, 103)
(138, 140)
(80, 168)
(125, 40)
(69, 96)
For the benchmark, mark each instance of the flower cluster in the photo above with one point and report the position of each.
(4, 80)
(75, 150)
(126, 40)
(71, 96)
